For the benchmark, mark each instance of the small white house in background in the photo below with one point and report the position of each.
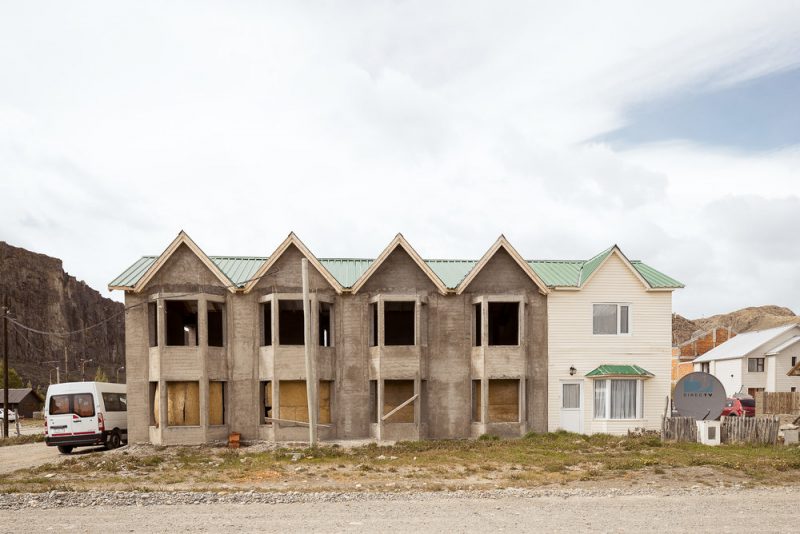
(755, 361)
(610, 345)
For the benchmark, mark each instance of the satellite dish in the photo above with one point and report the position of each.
(699, 395)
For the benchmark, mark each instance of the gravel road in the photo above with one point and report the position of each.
(33, 455)
(689, 510)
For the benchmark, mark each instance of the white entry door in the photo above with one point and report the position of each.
(572, 406)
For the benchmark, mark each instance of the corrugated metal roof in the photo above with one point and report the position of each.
(558, 273)
(451, 272)
(742, 344)
(346, 270)
(554, 273)
(619, 370)
(239, 269)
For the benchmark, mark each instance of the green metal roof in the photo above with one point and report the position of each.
(554, 273)
(619, 370)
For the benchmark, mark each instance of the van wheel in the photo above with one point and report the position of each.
(113, 441)
(64, 449)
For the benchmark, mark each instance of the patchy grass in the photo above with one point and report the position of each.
(21, 440)
(535, 460)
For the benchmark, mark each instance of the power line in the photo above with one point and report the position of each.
(69, 333)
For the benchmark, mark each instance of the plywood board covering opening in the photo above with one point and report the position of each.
(183, 403)
(395, 393)
(294, 401)
(503, 401)
(216, 403)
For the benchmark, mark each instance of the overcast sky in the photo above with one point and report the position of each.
(670, 130)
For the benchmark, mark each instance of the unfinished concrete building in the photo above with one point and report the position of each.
(405, 348)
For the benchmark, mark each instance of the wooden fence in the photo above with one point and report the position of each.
(678, 429)
(777, 403)
(754, 430)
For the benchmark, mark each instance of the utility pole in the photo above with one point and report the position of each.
(5, 366)
(84, 361)
(311, 375)
(66, 369)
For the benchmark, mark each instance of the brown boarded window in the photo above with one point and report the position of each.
(294, 401)
(398, 323)
(504, 323)
(216, 403)
(183, 403)
(290, 322)
(503, 401)
(395, 393)
(152, 323)
(181, 322)
(216, 329)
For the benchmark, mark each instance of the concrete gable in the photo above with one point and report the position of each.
(184, 268)
(501, 274)
(399, 273)
(287, 274)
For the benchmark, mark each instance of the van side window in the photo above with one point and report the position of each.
(81, 404)
(115, 402)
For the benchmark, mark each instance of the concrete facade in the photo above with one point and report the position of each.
(448, 380)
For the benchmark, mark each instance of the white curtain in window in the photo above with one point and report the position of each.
(623, 399)
(600, 388)
(571, 396)
(605, 319)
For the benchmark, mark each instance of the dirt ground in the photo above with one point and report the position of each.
(756, 510)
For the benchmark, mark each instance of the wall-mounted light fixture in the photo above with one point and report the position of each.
(572, 370)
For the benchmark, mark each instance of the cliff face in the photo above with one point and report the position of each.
(42, 296)
(740, 321)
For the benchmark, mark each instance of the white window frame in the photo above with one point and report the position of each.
(619, 317)
(639, 400)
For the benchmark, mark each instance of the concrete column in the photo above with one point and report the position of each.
(202, 348)
(484, 378)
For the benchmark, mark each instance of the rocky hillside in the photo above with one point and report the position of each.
(42, 296)
(744, 320)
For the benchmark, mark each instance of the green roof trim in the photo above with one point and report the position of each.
(554, 273)
(619, 370)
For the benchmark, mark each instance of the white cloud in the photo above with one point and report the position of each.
(451, 122)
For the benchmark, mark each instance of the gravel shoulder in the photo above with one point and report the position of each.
(694, 509)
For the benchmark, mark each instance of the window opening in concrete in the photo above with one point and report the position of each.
(290, 322)
(398, 323)
(373, 324)
(325, 333)
(216, 316)
(152, 323)
(266, 324)
(504, 323)
(294, 401)
(183, 403)
(265, 401)
(154, 403)
(216, 403)
(395, 393)
(476, 325)
(504, 401)
(181, 322)
(373, 401)
(476, 401)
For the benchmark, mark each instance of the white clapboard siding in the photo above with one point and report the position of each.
(571, 343)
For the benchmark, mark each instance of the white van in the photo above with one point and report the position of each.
(85, 413)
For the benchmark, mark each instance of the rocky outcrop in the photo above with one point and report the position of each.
(42, 296)
(739, 321)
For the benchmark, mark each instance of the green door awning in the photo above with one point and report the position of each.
(633, 371)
